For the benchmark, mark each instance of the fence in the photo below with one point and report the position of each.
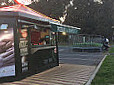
(80, 40)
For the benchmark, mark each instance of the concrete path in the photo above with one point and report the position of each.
(75, 69)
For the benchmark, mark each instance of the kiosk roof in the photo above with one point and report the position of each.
(26, 10)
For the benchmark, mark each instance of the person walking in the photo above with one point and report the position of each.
(106, 44)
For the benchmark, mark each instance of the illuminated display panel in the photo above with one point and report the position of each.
(7, 58)
(24, 2)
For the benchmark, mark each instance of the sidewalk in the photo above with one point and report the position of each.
(65, 74)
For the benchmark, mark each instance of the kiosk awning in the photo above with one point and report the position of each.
(65, 28)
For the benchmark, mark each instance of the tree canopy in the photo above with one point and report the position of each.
(92, 16)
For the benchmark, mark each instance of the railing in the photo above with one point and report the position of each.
(81, 40)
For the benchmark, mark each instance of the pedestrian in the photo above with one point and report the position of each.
(106, 44)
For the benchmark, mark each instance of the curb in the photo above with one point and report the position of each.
(95, 72)
(87, 49)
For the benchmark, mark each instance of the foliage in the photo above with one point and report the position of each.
(52, 8)
(92, 17)
(88, 45)
(111, 50)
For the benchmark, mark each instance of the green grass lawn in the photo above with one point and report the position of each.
(111, 50)
(105, 75)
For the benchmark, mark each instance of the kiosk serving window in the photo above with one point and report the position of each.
(40, 36)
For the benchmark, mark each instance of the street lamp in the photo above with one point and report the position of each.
(64, 33)
(113, 33)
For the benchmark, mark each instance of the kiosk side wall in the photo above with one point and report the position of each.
(9, 49)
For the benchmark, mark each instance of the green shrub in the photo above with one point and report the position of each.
(87, 45)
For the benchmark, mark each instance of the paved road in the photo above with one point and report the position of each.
(66, 55)
(75, 69)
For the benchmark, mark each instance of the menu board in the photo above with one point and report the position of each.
(35, 37)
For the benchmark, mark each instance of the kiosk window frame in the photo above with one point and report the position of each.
(43, 32)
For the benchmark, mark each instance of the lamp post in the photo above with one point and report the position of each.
(113, 33)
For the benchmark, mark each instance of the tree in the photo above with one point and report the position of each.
(51, 8)
(92, 16)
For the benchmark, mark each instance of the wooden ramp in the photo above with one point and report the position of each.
(65, 74)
